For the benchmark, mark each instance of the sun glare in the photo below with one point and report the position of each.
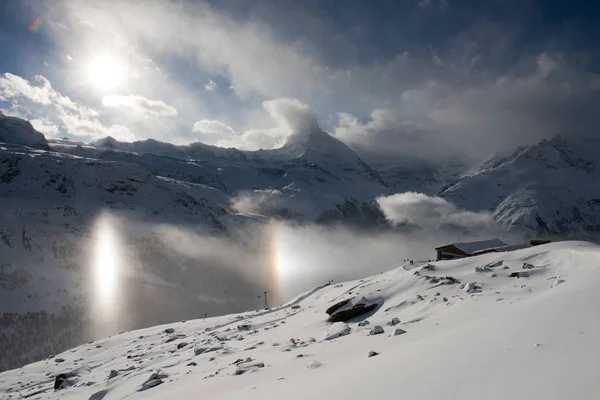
(105, 72)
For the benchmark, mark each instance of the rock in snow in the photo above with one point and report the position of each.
(336, 330)
(248, 366)
(59, 380)
(376, 330)
(154, 380)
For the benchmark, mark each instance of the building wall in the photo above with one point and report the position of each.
(449, 253)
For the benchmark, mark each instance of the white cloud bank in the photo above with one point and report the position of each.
(60, 111)
(213, 127)
(46, 127)
(140, 104)
(432, 213)
(289, 115)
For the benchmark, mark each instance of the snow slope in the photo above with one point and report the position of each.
(490, 336)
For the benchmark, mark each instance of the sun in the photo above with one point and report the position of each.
(106, 72)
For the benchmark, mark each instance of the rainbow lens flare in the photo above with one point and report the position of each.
(35, 25)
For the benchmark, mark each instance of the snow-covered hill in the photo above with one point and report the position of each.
(552, 188)
(518, 325)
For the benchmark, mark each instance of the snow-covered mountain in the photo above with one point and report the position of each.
(313, 177)
(423, 176)
(514, 325)
(551, 188)
(18, 131)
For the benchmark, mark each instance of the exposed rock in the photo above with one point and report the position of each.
(296, 307)
(175, 337)
(373, 353)
(59, 360)
(376, 330)
(151, 383)
(337, 305)
(154, 380)
(192, 364)
(355, 311)
(243, 327)
(364, 323)
(395, 321)
(98, 395)
(248, 366)
(113, 373)
(182, 345)
(199, 350)
(399, 331)
(169, 330)
(519, 274)
(58, 382)
(349, 309)
(528, 266)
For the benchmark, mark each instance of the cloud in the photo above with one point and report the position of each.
(94, 129)
(60, 112)
(289, 116)
(249, 52)
(385, 135)
(210, 85)
(12, 86)
(460, 112)
(140, 104)
(213, 127)
(46, 127)
(432, 213)
(474, 91)
(265, 201)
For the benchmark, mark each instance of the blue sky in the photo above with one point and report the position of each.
(389, 78)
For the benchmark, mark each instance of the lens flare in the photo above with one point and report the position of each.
(35, 25)
(106, 270)
(106, 262)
